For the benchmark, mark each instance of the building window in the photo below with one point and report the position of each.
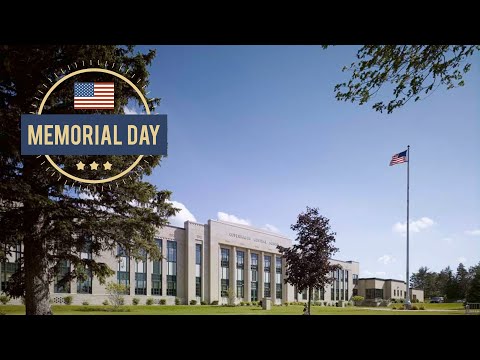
(266, 276)
(84, 283)
(337, 283)
(304, 295)
(141, 274)
(374, 293)
(355, 292)
(278, 277)
(198, 270)
(394, 292)
(157, 272)
(123, 271)
(322, 294)
(332, 292)
(346, 285)
(254, 273)
(171, 268)
(355, 279)
(61, 285)
(240, 272)
(225, 268)
(7, 269)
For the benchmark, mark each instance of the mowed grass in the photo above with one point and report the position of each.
(430, 306)
(223, 310)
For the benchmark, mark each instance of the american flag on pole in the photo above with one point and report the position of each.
(93, 95)
(399, 158)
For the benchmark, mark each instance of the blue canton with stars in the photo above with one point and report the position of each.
(84, 89)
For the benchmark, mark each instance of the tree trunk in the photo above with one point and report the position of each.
(310, 290)
(37, 291)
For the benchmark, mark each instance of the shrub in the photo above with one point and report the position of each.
(318, 303)
(149, 301)
(177, 301)
(68, 300)
(242, 303)
(105, 303)
(247, 303)
(394, 301)
(400, 308)
(394, 308)
(4, 299)
(85, 303)
(193, 302)
(214, 302)
(400, 301)
(422, 307)
(260, 303)
(115, 292)
(357, 299)
(135, 301)
(325, 303)
(254, 303)
(414, 307)
(163, 302)
(203, 303)
(285, 303)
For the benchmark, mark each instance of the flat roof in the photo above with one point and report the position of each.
(375, 278)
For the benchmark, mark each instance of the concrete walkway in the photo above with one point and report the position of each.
(431, 310)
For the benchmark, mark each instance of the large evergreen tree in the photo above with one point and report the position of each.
(462, 281)
(308, 261)
(473, 293)
(53, 220)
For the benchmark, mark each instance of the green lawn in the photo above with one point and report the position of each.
(443, 306)
(239, 310)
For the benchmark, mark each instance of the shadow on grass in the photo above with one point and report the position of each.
(102, 309)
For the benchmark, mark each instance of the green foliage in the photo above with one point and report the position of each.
(85, 303)
(68, 300)
(203, 303)
(177, 301)
(400, 308)
(193, 302)
(106, 308)
(325, 303)
(473, 293)
(358, 298)
(115, 293)
(149, 301)
(422, 308)
(214, 302)
(4, 299)
(163, 302)
(135, 301)
(260, 303)
(308, 261)
(248, 303)
(105, 303)
(285, 303)
(54, 221)
(413, 71)
(242, 303)
(414, 307)
(393, 307)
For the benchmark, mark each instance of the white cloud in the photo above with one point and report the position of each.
(129, 111)
(386, 259)
(462, 259)
(475, 232)
(415, 226)
(401, 277)
(271, 228)
(232, 218)
(183, 215)
(367, 273)
(448, 240)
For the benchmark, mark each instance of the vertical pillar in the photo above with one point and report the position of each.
(164, 267)
(261, 273)
(246, 276)
(233, 271)
(273, 278)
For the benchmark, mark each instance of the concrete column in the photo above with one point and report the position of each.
(164, 267)
(261, 280)
(246, 276)
(273, 278)
(233, 270)
(189, 265)
(148, 271)
(133, 264)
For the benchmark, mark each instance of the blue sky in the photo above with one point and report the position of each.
(256, 135)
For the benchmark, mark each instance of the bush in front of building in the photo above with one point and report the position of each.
(193, 302)
(414, 307)
(400, 308)
(214, 302)
(4, 299)
(317, 303)
(105, 303)
(68, 300)
(357, 300)
(394, 308)
(203, 303)
(177, 301)
(135, 301)
(115, 293)
(85, 303)
(149, 301)
(285, 304)
(422, 307)
(163, 302)
(260, 303)
(242, 303)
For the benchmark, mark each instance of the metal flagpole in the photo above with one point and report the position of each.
(408, 303)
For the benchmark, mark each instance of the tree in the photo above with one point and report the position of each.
(413, 71)
(473, 294)
(425, 280)
(115, 294)
(308, 261)
(462, 281)
(53, 220)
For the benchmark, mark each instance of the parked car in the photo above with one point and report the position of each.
(437, 299)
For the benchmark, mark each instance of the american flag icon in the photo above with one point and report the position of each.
(93, 95)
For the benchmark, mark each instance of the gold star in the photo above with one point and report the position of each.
(107, 166)
(80, 166)
(94, 166)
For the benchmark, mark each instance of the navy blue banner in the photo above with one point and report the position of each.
(97, 134)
